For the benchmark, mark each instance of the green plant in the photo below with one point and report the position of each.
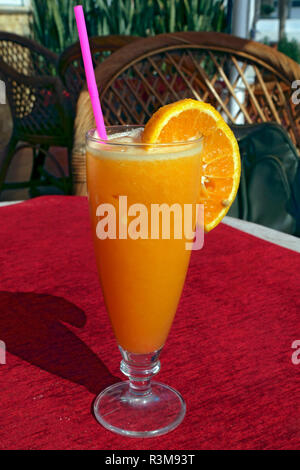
(266, 9)
(290, 48)
(55, 26)
(53, 22)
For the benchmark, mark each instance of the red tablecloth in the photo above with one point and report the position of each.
(229, 350)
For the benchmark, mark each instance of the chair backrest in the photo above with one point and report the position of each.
(26, 56)
(70, 64)
(34, 93)
(246, 81)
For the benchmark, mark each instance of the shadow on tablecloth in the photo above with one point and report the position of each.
(32, 326)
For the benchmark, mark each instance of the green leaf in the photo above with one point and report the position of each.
(53, 22)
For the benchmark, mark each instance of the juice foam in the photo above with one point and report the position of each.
(128, 145)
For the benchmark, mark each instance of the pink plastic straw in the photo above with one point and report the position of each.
(89, 71)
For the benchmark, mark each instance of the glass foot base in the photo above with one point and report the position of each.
(124, 412)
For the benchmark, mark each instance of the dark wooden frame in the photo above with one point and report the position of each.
(70, 67)
(30, 131)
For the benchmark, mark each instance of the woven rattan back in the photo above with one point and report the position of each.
(34, 93)
(70, 63)
(246, 81)
(26, 56)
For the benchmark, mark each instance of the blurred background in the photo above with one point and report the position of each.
(52, 24)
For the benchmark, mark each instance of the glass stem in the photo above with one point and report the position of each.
(139, 368)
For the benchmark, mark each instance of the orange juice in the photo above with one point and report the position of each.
(141, 278)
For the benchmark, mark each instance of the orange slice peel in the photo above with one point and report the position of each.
(190, 119)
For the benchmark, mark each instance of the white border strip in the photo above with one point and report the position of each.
(265, 233)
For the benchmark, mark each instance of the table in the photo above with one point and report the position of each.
(229, 351)
(260, 231)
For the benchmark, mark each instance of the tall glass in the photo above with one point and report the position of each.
(142, 266)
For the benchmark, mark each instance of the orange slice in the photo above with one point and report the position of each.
(188, 119)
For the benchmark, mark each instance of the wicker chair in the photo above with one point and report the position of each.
(39, 107)
(70, 64)
(246, 81)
